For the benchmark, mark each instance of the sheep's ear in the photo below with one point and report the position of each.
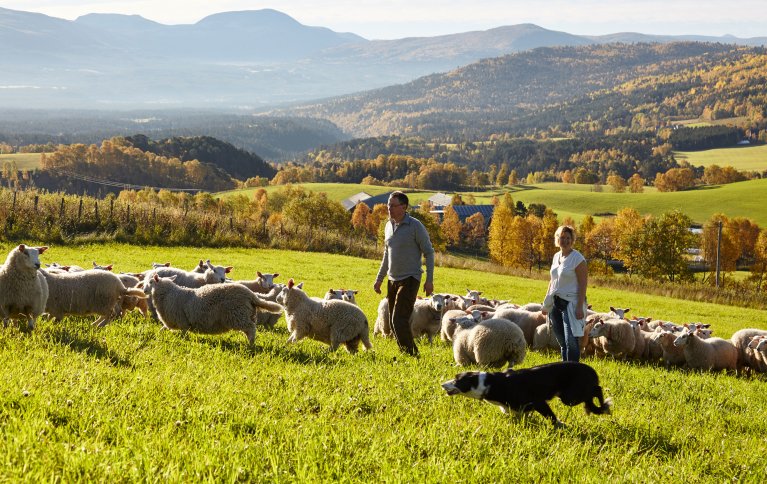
(275, 275)
(479, 293)
(228, 269)
(140, 285)
(355, 291)
(65, 268)
(172, 278)
(300, 285)
(156, 277)
(259, 274)
(202, 263)
(42, 249)
(613, 309)
(291, 283)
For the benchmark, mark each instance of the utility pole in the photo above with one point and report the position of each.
(718, 251)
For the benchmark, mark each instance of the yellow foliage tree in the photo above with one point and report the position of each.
(499, 239)
(451, 226)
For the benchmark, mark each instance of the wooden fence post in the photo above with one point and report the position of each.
(96, 210)
(111, 208)
(61, 209)
(37, 199)
(127, 217)
(80, 210)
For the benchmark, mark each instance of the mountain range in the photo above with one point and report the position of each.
(237, 60)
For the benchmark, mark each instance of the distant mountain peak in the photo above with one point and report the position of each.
(266, 17)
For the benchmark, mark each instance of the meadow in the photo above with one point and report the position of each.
(24, 161)
(743, 199)
(131, 402)
(742, 158)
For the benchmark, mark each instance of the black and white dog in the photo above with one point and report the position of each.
(529, 389)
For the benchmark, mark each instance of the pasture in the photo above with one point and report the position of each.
(742, 158)
(743, 199)
(24, 161)
(131, 402)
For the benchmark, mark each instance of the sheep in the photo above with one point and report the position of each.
(492, 343)
(332, 321)
(262, 284)
(708, 354)
(544, 338)
(526, 320)
(532, 307)
(759, 345)
(615, 337)
(128, 303)
(342, 294)
(23, 288)
(211, 309)
(425, 320)
(88, 292)
(646, 346)
(157, 265)
(266, 318)
(481, 307)
(449, 321)
(211, 275)
(383, 325)
(741, 339)
(672, 355)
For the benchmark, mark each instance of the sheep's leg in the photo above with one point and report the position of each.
(31, 322)
(353, 344)
(250, 333)
(293, 337)
(98, 322)
(107, 320)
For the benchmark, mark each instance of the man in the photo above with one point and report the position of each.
(406, 241)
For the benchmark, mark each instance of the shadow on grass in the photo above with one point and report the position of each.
(89, 346)
(303, 352)
(646, 440)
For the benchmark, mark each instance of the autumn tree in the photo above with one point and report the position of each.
(636, 183)
(377, 218)
(474, 232)
(451, 226)
(628, 227)
(499, 240)
(360, 216)
(759, 267)
(665, 242)
(503, 175)
(617, 182)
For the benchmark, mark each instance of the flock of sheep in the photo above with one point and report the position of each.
(482, 332)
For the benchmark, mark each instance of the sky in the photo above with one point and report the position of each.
(394, 19)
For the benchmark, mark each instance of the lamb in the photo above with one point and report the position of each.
(532, 307)
(266, 318)
(332, 322)
(87, 292)
(492, 343)
(211, 309)
(672, 355)
(526, 320)
(614, 336)
(544, 338)
(449, 321)
(741, 339)
(211, 275)
(382, 325)
(23, 289)
(262, 284)
(342, 294)
(708, 354)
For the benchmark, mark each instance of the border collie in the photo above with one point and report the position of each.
(529, 389)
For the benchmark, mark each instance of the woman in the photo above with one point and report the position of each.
(565, 300)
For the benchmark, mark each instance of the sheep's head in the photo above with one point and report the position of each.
(266, 281)
(754, 342)
(438, 302)
(473, 295)
(26, 258)
(683, 338)
(599, 329)
(620, 313)
(102, 268)
(464, 322)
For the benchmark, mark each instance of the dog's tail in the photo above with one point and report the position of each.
(605, 405)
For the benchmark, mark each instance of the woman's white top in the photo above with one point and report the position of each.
(564, 282)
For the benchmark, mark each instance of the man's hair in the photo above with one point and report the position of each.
(401, 197)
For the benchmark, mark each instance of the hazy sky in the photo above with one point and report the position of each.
(390, 19)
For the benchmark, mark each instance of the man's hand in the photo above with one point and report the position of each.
(377, 287)
(428, 288)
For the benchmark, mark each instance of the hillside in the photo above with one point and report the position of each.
(546, 88)
(743, 199)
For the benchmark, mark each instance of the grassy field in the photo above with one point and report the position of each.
(24, 161)
(743, 158)
(744, 199)
(130, 402)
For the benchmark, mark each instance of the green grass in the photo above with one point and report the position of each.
(743, 158)
(133, 403)
(24, 161)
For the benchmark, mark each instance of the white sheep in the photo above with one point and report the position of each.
(332, 321)
(544, 338)
(532, 307)
(449, 321)
(87, 292)
(759, 345)
(425, 320)
(23, 289)
(672, 354)
(266, 318)
(492, 343)
(128, 302)
(741, 339)
(646, 345)
(342, 294)
(527, 321)
(211, 309)
(262, 284)
(707, 354)
(614, 336)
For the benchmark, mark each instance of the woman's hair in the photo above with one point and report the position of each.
(563, 228)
